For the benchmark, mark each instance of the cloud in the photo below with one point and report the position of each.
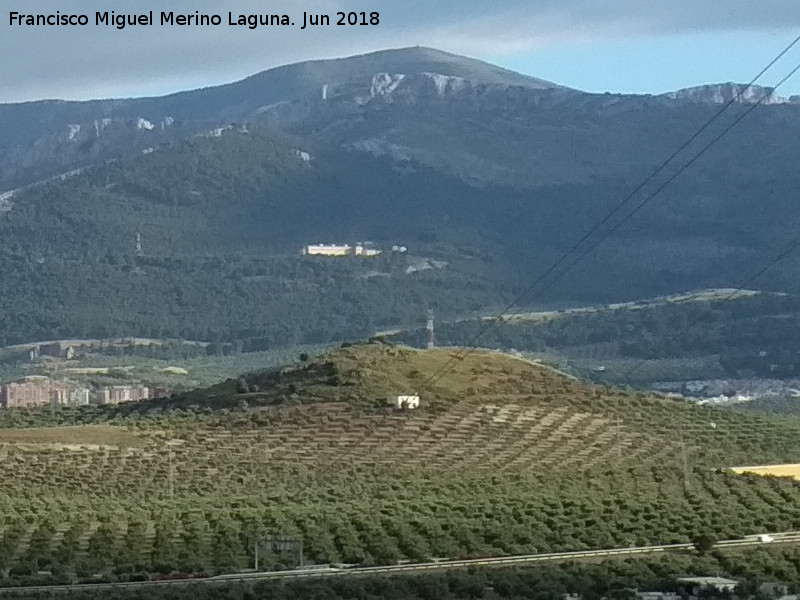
(85, 62)
(515, 26)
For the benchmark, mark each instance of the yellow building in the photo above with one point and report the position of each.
(328, 250)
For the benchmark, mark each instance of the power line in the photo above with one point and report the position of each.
(471, 345)
(661, 188)
(493, 324)
(664, 164)
(647, 199)
(781, 256)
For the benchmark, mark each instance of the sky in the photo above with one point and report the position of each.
(628, 46)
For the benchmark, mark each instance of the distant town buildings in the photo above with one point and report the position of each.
(43, 391)
(123, 393)
(78, 396)
(31, 392)
(327, 250)
(63, 395)
(56, 350)
(365, 250)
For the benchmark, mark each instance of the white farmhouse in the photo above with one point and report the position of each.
(365, 250)
(403, 402)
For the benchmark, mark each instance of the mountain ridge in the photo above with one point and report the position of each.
(720, 93)
(40, 138)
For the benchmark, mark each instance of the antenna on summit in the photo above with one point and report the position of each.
(430, 329)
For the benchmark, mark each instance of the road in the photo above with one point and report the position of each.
(786, 537)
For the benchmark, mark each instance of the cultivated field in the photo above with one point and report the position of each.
(83, 435)
(792, 470)
(504, 457)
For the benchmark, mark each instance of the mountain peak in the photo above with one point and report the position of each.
(415, 60)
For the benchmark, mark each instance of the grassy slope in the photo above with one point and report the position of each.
(504, 457)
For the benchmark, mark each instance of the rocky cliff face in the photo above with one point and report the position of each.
(79, 144)
(723, 93)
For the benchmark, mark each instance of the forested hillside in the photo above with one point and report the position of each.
(222, 220)
(486, 176)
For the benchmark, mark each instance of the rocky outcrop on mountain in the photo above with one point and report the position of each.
(722, 93)
(80, 144)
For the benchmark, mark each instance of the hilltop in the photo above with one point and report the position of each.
(701, 344)
(495, 396)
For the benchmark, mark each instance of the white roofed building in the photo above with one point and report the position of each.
(403, 401)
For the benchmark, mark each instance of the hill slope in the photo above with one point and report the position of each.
(222, 220)
(503, 457)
